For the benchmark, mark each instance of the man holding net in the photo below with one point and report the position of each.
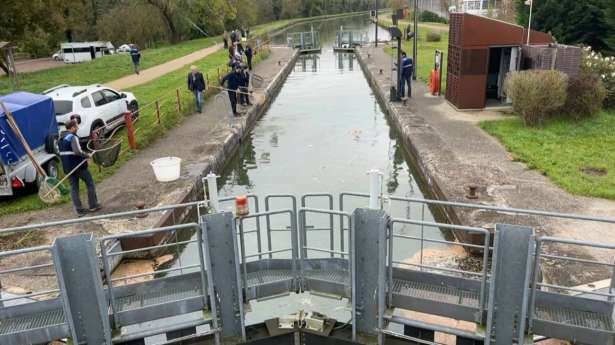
(233, 80)
(74, 162)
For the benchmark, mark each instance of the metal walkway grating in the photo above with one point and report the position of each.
(155, 297)
(30, 322)
(439, 293)
(337, 276)
(575, 318)
(269, 276)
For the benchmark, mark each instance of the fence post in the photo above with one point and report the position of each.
(158, 113)
(130, 131)
(179, 102)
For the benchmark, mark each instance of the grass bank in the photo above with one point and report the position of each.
(577, 156)
(148, 129)
(426, 50)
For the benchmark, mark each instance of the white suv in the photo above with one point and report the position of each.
(100, 108)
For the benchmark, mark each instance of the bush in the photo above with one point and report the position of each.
(602, 67)
(536, 94)
(433, 37)
(585, 96)
(428, 16)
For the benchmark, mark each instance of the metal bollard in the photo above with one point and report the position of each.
(130, 131)
(212, 187)
(375, 188)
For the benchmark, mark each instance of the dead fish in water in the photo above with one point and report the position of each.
(356, 133)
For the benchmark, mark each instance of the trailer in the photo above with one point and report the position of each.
(35, 117)
(75, 52)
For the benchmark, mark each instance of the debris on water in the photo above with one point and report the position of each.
(130, 268)
(161, 260)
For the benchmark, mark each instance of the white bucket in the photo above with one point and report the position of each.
(167, 169)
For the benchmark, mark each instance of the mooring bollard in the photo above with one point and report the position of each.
(179, 101)
(130, 131)
(212, 187)
(375, 188)
(158, 113)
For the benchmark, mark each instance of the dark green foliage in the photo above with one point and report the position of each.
(585, 95)
(147, 22)
(433, 37)
(428, 16)
(590, 22)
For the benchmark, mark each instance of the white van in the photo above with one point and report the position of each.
(75, 52)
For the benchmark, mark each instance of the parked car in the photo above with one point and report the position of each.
(58, 56)
(35, 117)
(100, 108)
(124, 48)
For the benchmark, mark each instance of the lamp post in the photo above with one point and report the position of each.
(529, 24)
(416, 37)
(376, 22)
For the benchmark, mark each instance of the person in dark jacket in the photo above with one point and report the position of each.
(233, 80)
(73, 158)
(135, 55)
(249, 54)
(196, 84)
(407, 67)
(225, 39)
(245, 82)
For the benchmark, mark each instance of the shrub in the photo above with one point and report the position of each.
(604, 68)
(585, 96)
(536, 94)
(428, 16)
(433, 37)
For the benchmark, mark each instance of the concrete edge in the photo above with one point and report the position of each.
(427, 179)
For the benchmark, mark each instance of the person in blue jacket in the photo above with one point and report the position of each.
(135, 55)
(234, 80)
(73, 158)
(407, 67)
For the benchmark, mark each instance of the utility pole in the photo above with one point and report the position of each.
(376, 23)
(416, 37)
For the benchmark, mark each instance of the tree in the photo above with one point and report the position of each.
(570, 21)
(168, 9)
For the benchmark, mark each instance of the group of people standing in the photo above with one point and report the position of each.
(237, 81)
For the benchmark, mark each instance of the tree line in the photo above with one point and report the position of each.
(588, 22)
(38, 27)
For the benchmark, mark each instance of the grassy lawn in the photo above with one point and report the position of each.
(148, 129)
(578, 156)
(426, 50)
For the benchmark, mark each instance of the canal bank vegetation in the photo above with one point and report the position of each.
(565, 125)
(163, 89)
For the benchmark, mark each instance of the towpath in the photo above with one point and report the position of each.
(158, 71)
(454, 153)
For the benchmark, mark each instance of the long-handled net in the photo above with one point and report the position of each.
(105, 152)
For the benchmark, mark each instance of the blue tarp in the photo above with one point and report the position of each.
(36, 119)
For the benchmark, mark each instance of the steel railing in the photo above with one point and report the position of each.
(485, 248)
(171, 232)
